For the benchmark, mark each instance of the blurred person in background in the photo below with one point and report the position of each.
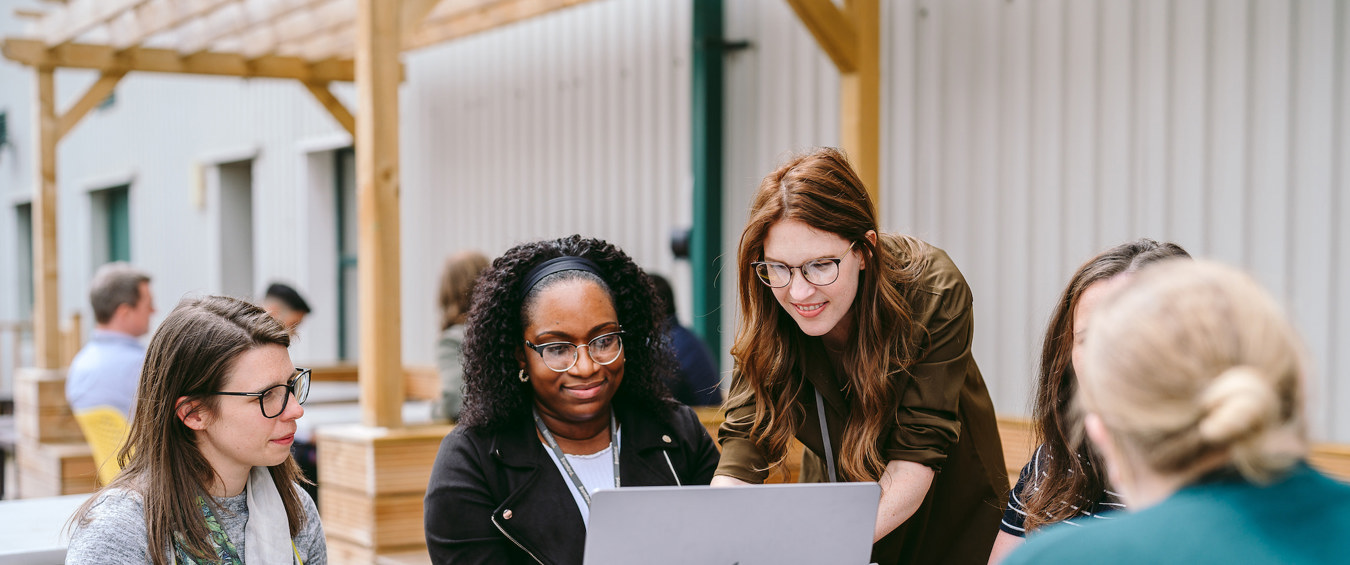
(695, 383)
(457, 283)
(107, 369)
(286, 305)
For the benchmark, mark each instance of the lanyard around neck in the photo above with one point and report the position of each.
(567, 466)
(825, 437)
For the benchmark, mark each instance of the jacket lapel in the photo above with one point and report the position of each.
(538, 513)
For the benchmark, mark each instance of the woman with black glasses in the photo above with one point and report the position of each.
(207, 474)
(857, 343)
(564, 358)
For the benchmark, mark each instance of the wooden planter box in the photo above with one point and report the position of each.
(41, 413)
(55, 469)
(371, 485)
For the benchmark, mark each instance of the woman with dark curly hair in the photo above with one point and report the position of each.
(545, 424)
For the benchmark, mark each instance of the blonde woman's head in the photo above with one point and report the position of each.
(1191, 366)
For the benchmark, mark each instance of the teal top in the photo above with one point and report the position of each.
(1303, 517)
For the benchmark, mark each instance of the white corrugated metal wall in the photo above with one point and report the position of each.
(1025, 136)
(1021, 136)
(575, 122)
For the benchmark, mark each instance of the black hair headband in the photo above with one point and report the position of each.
(558, 265)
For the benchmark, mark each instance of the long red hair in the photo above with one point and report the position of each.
(821, 189)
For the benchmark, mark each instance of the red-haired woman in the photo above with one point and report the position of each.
(870, 333)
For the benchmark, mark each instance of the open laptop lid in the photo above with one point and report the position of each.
(762, 524)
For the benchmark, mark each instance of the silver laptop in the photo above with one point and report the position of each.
(751, 525)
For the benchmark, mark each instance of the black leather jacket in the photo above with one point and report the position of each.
(497, 497)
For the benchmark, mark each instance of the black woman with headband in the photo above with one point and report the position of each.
(564, 361)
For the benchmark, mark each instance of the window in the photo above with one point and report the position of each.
(110, 226)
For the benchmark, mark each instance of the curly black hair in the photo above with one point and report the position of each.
(494, 396)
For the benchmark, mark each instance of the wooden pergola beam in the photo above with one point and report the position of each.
(851, 37)
(334, 106)
(377, 174)
(497, 14)
(97, 92)
(104, 58)
(833, 29)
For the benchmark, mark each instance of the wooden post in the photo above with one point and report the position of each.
(46, 307)
(377, 175)
(851, 37)
(860, 96)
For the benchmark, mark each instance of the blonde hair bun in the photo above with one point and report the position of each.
(1238, 404)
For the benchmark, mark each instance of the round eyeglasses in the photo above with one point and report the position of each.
(819, 272)
(273, 399)
(561, 356)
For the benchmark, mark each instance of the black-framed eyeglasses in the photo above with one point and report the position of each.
(561, 356)
(273, 399)
(819, 272)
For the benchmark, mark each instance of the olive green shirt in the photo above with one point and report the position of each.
(944, 419)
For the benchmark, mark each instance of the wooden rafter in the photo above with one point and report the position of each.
(832, 29)
(487, 15)
(157, 16)
(101, 57)
(335, 107)
(301, 25)
(97, 93)
(414, 13)
(338, 41)
(234, 19)
(80, 16)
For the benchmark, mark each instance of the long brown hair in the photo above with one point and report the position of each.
(190, 356)
(820, 189)
(457, 281)
(1074, 469)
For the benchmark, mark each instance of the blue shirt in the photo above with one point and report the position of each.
(105, 372)
(1300, 518)
(697, 382)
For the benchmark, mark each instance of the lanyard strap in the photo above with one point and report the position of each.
(825, 436)
(567, 466)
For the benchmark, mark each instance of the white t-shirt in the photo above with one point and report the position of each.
(596, 471)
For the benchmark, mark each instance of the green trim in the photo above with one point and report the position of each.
(345, 260)
(705, 254)
(118, 202)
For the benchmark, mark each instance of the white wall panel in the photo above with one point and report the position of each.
(575, 122)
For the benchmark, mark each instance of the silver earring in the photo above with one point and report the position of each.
(524, 378)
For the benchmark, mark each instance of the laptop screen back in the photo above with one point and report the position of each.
(762, 524)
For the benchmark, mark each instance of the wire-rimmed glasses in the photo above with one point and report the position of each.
(819, 272)
(561, 356)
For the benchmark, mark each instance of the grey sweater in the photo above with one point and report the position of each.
(115, 531)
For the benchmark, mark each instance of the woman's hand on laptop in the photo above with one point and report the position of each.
(727, 481)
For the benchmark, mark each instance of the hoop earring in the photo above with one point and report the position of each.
(524, 378)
